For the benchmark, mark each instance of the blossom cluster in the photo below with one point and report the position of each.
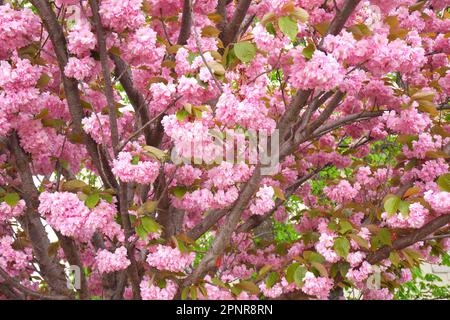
(168, 258)
(112, 261)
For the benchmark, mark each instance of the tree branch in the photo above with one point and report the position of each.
(72, 93)
(341, 18)
(27, 292)
(73, 257)
(186, 23)
(232, 29)
(52, 272)
(347, 120)
(206, 224)
(137, 100)
(224, 235)
(409, 239)
(109, 93)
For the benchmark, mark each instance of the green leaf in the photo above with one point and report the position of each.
(135, 160)
(343, 268)
(12, 199)
(385, 237)
(299, 275)
(359, 31)
(194, 293)
(245, 51)
(271, 29)
(313, 256)
(320, 267)
(264, 270)
(42, 114)
(150, 225)
(43, 81)
(279, 193)
(185, 293)
(288, 27)
(181, 115)
(107, 197)
(248, 286)
(300, 14)
(73, 185)
(179, 191)
(404, 208)
(181, 245)
(444, 182)
(92, 200)
(290, 271)
(308, 51)
(53, 123)
(150, 206)
(391, 204)
(272, 279)
(395, 258)
(342, 246)
(360, 241)
(155, 152)
(216, 68)
(115, 51)
(203, 291)
(142, 233)
(345, 226)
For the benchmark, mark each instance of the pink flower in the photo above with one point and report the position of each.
(405, 276)
(168, 258)
(227, 174)
(325, 246)
(13, 261)
(380, 294)
(97, 125)
(439, 201)
(196, 201)
(317, 286)
(322, 72)
(264, 201)
(121, 15)
(141, 49)
(416, 217)
(109, 262)
(81, 40)
(420, 147)
(18, 28)
(162, 97)
(143, 172)
(79, 69)
(341, 193)
(360, 274)
(274, 292)
(7, 212)
(409, 121)
(355, 258)
(340, 46)
(150, 291)
(65, 212)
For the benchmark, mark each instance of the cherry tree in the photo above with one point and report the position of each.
(133, 134)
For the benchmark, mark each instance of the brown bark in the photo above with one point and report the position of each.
(232, 29)
(109, 92)
(186, 23)
(72, 93)
(31, 222)
(73, 257)
(137, 100)
(410, 239)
